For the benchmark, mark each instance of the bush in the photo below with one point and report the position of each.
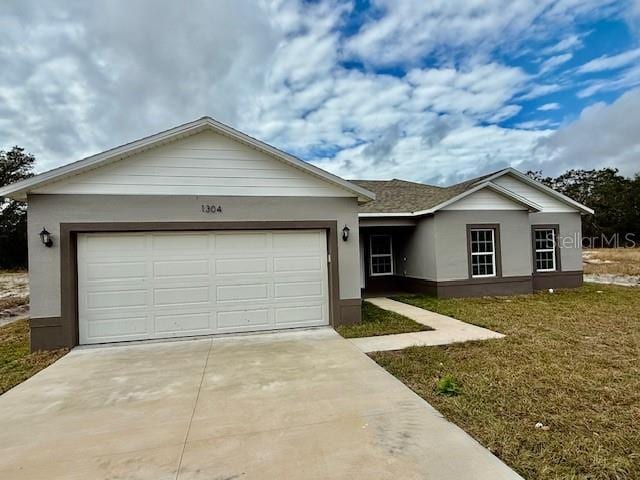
(447, 385)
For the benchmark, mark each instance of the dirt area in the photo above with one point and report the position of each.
(619, 266)
(14, 295)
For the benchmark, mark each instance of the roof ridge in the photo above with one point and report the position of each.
(398, 180)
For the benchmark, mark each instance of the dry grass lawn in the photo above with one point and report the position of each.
(16, 362)
(376, 321)
(571, 361)
(622, 261)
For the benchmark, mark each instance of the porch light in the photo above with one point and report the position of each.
(345, 233)
(46, 238)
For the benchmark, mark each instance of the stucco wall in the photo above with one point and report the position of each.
(420, 251)
(451, 242)
(570, 237)
(438, 248)
(51, 210)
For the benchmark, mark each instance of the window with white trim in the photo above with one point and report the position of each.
(483, 252)
(380, 255)
(544, 240)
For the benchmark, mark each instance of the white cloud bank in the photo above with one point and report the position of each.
(77, 80)
(602, 135)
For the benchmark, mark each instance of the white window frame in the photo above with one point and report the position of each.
(377, 255)
(476, 254)
(544, 250)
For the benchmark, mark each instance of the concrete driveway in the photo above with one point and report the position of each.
(304, 405)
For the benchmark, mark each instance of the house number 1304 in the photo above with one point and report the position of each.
(211, 209)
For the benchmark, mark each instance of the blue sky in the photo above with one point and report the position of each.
(433, 91)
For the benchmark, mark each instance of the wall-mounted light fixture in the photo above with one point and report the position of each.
(345, 233)
(46, 238)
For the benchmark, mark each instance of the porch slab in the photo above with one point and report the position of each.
(446, 330)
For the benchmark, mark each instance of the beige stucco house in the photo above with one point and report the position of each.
(204, 230)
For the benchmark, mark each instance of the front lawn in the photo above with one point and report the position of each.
(16, 362)
(570, 364)
(376, 321)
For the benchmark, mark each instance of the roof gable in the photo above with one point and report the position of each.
(486, 199)
(550, 200)
(205, 163)
(193, 144)
(399, 198)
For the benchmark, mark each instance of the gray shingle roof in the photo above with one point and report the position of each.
(399, 196)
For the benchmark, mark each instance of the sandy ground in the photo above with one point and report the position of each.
(14, 296)
(616, 266)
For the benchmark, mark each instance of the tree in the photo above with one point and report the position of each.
(15, 165)
(615, 199)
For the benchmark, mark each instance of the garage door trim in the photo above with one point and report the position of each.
(69, 270)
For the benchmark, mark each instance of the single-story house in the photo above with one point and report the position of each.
(203, 230)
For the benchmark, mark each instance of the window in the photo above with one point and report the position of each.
(544, 240)
(381, 256)
(483, 252)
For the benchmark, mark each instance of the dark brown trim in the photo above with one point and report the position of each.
(471, 288)
(46, 333)
(498, 246)
(69, 272)
(566, 279)
(556, 231)
(350, 311)
(487, 286)
(44, 322)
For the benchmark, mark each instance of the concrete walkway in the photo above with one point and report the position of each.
(296, 405)
(446, 329)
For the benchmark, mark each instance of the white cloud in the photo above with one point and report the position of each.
(535, 124)
(554, 62)
(603, 135)
(408, 30)
(77, 80)
(83, 78)
(610, 62)
(572, 42)
(549, 106)
(627, 79)
(540, 90)
(465, 152)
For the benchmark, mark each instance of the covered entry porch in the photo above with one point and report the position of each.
(383, 260)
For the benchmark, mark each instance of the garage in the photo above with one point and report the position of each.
(195, 230)
(149, 285)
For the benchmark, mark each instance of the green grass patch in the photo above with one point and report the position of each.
(447, 385)
(16, 362)
(570, 361)
(376, 321)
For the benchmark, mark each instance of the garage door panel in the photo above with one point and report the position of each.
(227, 243)
(180, 268)
(297, 264)
(244, 319)
(177, 284)
(105, 272)
(116, 299)
(188, 242)
(298, 289)
(249, 292)
(299, 314)
(126, 327)
(180, 295)
(234, 266)
(298, 242)
(179, 323)
(103, 245)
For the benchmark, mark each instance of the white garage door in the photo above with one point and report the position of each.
(134, 286)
